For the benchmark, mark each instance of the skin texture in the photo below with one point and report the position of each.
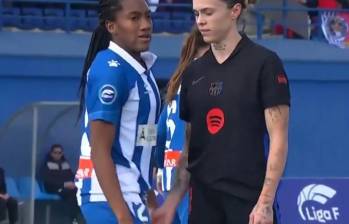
(131, 30)
(132, 27)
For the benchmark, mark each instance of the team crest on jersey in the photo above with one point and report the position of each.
(216, 88)
(107, 94)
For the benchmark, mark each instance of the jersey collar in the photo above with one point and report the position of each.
(148, 57)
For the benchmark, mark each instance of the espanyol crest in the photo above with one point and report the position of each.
(335, 27)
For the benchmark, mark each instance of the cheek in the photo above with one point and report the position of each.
(127, 30)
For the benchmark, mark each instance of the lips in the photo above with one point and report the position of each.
(203, 32)
(145, 37)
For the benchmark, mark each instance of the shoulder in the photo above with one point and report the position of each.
(107, 63)
(194, 69)
(52, 165)
(262, 53)
(108, 66)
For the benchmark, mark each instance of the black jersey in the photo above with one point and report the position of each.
(225, 105)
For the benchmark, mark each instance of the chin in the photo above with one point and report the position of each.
(143, 48)
(208, 39)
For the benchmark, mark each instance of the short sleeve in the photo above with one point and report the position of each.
(107, 91)
(184, 112)
(274, 83)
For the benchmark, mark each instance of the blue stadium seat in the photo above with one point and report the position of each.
(12, 188)
(181, 22)
(78, 19)
(92, 19)
(54, 18)
(32, 18)
(11, 17)
(161, 22)
(24, 184)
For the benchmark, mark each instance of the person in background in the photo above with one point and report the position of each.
(58, 178)
(7, 203)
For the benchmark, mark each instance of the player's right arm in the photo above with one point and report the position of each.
(107, 92)
(102, 137)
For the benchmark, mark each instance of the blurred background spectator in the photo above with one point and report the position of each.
(58, 178)
(8, 204)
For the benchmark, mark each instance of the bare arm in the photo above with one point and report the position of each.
(182, 175)
(277, 125)
(102, 137)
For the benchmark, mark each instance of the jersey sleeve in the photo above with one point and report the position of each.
(107, 92)
(161, 139)
(184, 112)
(274, 83)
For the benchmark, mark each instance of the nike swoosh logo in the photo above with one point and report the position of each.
(197, 81)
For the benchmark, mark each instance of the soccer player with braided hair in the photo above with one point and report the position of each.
(121, 105)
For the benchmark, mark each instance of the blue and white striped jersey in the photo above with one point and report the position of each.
(121, 91)
(171, 138)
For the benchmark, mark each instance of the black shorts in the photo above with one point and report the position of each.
(213, 207)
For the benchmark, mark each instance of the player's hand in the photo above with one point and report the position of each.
(163, 215)
(125, 219)
(262, 213)
(69, 185)
(151, 202)
(159, 181)
(5, 196)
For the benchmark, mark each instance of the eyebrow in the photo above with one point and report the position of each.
(202, 10)
(139, 12)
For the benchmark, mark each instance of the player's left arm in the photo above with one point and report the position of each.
(277, 125)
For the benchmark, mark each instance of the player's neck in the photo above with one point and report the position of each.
(223, 49)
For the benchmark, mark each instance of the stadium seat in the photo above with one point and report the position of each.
(54, 18)
(31, 18)
(161, 22)
(12, 188)
(92, 20)
(24, 184)
(181, 22)
(11, 17)
(78, 19)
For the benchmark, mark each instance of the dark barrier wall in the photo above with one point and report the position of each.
(37, 67)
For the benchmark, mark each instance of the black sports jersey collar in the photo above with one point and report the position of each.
(242, 44)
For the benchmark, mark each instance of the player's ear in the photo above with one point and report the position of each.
(111, 26)
(236, 11)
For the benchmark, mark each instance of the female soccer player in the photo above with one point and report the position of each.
(231, 99)
(122, 107)
(171, 128)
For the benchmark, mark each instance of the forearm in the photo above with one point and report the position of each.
(180, 186)
(275, 168)
(277, 125)
(182, 180)
(107, 178)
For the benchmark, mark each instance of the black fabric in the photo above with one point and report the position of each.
(225, 105)
(3, 189)
(209, 206)
(54, 179)
(11, 207)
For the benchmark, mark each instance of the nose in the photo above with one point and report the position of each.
(146, 23)
(200, 21)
